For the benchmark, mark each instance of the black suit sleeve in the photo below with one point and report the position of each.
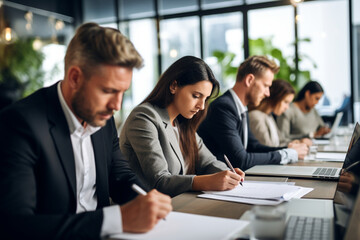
(21, 216)
(220, 131)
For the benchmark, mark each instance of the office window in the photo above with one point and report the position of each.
(99, 11)
(207, 4)
(328, 47)
(179, 37)
(176, 6)
(260, 1)
(136, 9)
(144, 79)
(224, 33)
(271, 32)
(356, 57)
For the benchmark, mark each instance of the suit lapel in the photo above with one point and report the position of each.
(171, 135)
(59, 131)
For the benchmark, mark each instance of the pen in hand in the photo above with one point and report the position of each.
(139, 191)
(351, 166)
(230, 166)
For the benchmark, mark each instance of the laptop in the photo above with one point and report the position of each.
(325, 219)
(319, 218)
(334, 127)
(305, 171)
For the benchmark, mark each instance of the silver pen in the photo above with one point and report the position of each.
(230, 166)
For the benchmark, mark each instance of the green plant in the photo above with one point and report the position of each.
(288, 70)
(225, 61)
(20, 66)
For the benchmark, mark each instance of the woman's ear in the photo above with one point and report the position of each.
(173, 87)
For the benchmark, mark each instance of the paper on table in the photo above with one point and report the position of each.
(300, 193)
(259, 190)
(179, 226)
(331, 155)
(241, 200)
(320, 142)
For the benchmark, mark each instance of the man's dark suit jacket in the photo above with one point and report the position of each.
(37, 172)
(222, 133)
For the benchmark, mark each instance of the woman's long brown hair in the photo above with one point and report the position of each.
(185, 71)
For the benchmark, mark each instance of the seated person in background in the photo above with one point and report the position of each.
(301, 120)
(225, 129)
(262, 123)
(159, 136)
(60, 158)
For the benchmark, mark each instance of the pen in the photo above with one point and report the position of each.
(351, 166)
(230, 166)
(139, 191)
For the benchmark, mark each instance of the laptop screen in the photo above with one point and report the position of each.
(347, 194)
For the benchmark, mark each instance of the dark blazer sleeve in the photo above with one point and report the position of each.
(222, 134)
(20, 163)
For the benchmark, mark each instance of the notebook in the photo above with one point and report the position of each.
(304, 171)
(334, 127)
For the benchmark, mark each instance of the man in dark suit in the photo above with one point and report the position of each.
(60, 160)
(225, 129)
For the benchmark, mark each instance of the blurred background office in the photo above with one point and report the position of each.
(310, 39)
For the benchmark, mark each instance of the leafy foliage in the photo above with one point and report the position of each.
(287, 64)
(264, 46)
(20, 66)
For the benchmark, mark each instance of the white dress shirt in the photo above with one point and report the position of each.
(86, 171)
(288, 155)
(241, 112)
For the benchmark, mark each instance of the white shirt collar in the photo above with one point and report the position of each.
(73, 123)
(239, 105)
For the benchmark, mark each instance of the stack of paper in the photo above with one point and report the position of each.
(179, 226)
(261, 193)
(331, 156)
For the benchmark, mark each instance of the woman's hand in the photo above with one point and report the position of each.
(224, 180)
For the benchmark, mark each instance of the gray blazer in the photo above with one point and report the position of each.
(260, 127)
(149, 142)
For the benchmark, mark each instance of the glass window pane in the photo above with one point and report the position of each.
(259, 1)
(207, 4)
(136, 9)
(176, 6)
(356, 57)
(99, 11)
(328, 47)
(271, 32)
(223, 33)
(175, 43)
(144, 79)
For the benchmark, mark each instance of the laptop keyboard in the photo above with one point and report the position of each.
(325, 172)
(308, 228)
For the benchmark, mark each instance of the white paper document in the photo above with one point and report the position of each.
(331, 156)
(180, 226)
(321, 141)
(261, 193)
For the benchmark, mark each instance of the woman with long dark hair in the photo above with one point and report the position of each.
(262, 122)
(159, 136)
(302, 119)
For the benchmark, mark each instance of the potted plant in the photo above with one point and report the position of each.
(20, 70)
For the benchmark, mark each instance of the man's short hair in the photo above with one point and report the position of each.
(256, 65)
(93, 45)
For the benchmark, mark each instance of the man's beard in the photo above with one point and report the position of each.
(83, 111)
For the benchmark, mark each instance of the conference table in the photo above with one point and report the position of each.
(189, 202)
